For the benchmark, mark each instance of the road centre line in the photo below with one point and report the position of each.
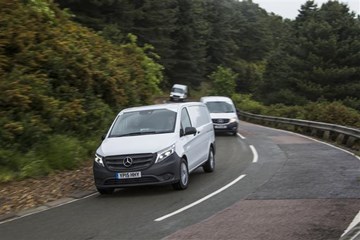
(255, 154)
(200, 200)
(241, 136)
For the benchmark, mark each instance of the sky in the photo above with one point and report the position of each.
(289, 8)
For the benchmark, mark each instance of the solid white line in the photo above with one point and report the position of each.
(355, 221)
(357, 218)
(316, 140)
(200, 200)
(241, 136)
(355, 237)
(29, 214)
(255, 154)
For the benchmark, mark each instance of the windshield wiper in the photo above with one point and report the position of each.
(134, 133)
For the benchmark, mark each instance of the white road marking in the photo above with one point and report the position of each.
(255, 154)
(355, 237)
(316, 140)
(200, 200)
(71, 201)
(353, 223)
(356, 220)
(241, 136)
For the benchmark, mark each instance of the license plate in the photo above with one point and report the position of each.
(128, 175)
(220, 127)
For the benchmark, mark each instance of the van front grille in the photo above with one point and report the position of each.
(133, 162)
(220, 120)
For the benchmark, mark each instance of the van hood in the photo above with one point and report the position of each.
(223, 115)
(136, 144)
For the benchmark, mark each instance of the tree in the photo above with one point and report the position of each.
(192, 33)
(320, 56)
(223, 81)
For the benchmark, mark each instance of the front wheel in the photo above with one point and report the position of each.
(209, 166)
(184, 177)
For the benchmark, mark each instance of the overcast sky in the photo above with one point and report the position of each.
(289, 8)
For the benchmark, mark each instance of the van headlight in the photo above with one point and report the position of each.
(165, 153)
(99, 160)
(233, 120)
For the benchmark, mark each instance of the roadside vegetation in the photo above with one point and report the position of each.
(68, 66)
(61, 86)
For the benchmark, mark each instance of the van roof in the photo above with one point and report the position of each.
(171, 106)
(179, 86)
(216, 99)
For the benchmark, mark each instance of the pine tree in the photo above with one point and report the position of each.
(192, 33)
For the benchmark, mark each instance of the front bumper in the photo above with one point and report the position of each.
(227, 127)
(165, 172)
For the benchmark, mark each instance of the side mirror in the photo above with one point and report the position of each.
(190, 130)
(103, 137)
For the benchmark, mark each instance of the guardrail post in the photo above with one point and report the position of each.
(314, 132)
(340, 138)
(326, 135)
(350, 141)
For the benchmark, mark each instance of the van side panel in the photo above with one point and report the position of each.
(200, 119)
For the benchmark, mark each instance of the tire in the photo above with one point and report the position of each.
(184, 176)
(209, 165)
(105, 191)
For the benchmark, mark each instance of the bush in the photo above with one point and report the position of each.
(61, 152)
(322, 111)
(244, 102)
(332, 112)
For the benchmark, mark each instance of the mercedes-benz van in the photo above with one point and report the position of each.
(158, 144)
(178, 92)
(223, 113)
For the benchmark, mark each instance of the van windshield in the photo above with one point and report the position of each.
(220, 107)
(144, 122)
(177, 90)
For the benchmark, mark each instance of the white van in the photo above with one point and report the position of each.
(158, 144)
(223, 113)
(178, 92)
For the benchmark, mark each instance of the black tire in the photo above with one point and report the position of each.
(184, 176)
(234, 133)
(105, 191)
(209, 166)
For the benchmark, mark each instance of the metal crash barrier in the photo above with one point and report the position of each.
(346, 136)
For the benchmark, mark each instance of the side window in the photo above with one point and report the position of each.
(205, 115)
(199, 115)
(185, 119)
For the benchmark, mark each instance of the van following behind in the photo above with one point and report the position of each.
(178, 93)
(223, 113)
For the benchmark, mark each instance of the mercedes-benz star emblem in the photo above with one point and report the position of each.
(127, 162)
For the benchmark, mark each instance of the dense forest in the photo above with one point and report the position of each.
(68, 66)
(316, 56)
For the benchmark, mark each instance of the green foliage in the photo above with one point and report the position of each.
(245, 102)
(332, 112)
(223, 81)
(61, 152)
(321, 111)
(318, 60)
(59, 78)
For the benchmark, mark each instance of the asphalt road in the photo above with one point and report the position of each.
(264, 180)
